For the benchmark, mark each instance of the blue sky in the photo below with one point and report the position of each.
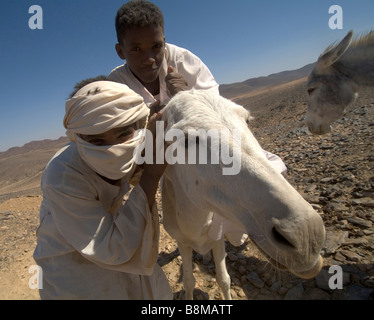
(237, 40)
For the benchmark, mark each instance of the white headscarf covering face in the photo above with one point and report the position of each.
(98, 108)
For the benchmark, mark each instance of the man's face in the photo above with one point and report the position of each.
(143, 48)
(111, 137)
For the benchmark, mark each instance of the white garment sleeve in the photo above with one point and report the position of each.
(127, 242)
(195, 71)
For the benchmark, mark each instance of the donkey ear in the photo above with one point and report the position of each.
(331, 56)
(241, 112)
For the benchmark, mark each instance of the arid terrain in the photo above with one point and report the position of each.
(335, 173)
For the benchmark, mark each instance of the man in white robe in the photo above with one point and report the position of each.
(91, 245)
(177, 62)
(154, 69)
(157, 70)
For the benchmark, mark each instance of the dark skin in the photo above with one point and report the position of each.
(143, 48)
(152, 172)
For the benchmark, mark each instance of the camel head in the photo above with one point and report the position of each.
(330, 89)
(256, 197)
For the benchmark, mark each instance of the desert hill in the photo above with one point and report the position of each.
(239, 88)
(33, 145)
(21, 167)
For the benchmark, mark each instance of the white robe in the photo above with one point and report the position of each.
(183, 61)
(84, 251)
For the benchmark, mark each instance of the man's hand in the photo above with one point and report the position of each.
(155, 108)
(152, 171)
(175, 82)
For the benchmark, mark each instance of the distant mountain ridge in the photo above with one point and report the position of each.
(235, 89)
(34, 145)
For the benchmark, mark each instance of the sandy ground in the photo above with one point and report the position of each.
(18, 222)
(19, 218)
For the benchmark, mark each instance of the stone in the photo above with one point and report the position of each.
(350, 255)
(5, 215)
(337, 207)
(232, 257)
(326, 147)
(356, 242)
(242, 270)
(366, 202)
(356, 292)
(316, 294)
(328, 180)
(360, 222)
(295, 293)
(240, 292)
(255, 280)
(339, 257)
(276, 286)
(310, 188)
(334, 239)
(369, 283)
(322, 279)
(282, 291)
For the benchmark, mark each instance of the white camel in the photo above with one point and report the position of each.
(339, 74)
(201, 205)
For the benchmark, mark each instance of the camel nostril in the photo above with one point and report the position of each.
(281, 239)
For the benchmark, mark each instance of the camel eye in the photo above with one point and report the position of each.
(311, 90)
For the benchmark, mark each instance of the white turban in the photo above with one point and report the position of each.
(101, 106)
(98, 108)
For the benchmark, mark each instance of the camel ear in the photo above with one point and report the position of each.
(331, 56)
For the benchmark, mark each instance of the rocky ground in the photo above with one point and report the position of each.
(335, 173)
